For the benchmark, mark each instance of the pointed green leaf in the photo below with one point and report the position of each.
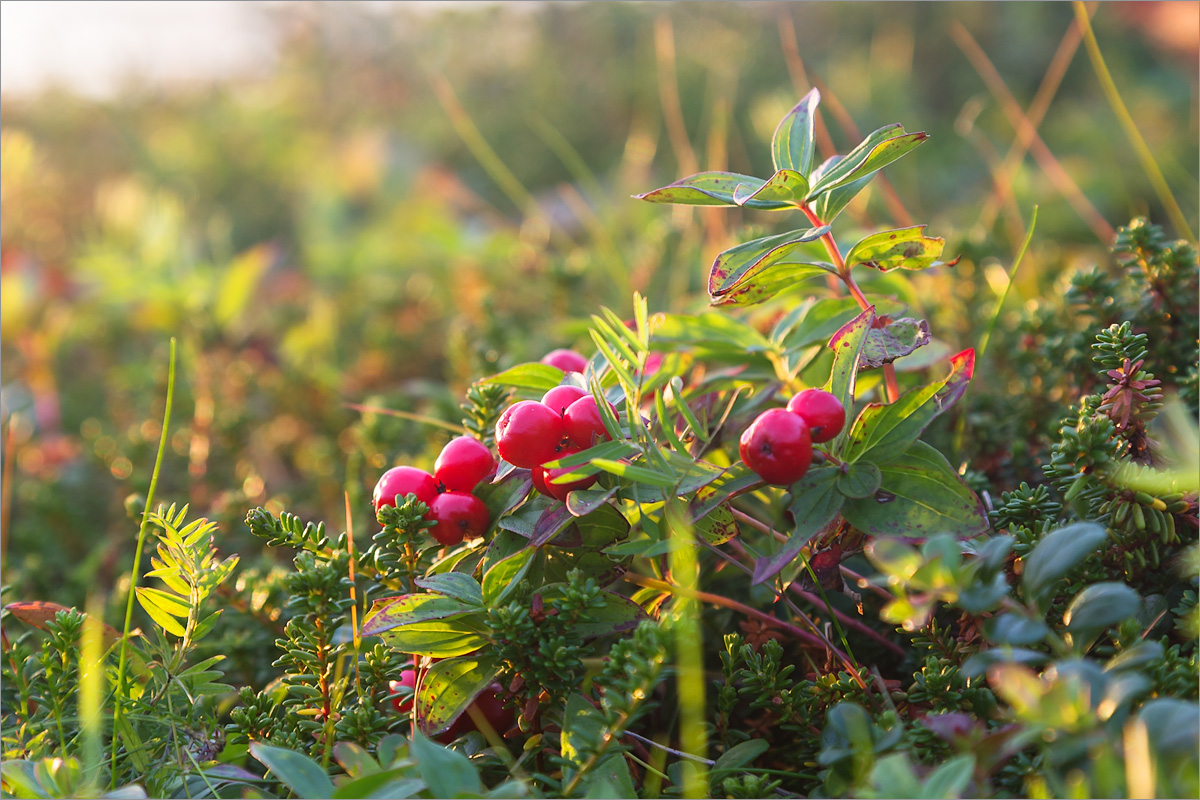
(454, 584)
(847, 346)
(1100, 606)
(392, 612)
(710, 189)
(903, 248)
(505, 576)
(815, 502)
(883, 432)
(448, 687)
(879, 149)
(740, 263)
(785, 186)
(793, 145)
(635, 474)
(161, 616)
(772, 280)
(532, 376)
(920, 495)
(437, 638)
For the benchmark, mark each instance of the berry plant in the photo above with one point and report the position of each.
(737, 553)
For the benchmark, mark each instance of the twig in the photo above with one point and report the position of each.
(670, 750)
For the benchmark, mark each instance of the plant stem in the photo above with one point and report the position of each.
(137, 560)
(889, 371)
(726, 602)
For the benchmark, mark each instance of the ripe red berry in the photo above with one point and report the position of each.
(821, 411)
(528, 434)
(777, 446)
(543, 479)
(558, 398)
(566, 360)
(408, 678)
(458, 515)
(403, 481)
(583, 423)
(463, 463)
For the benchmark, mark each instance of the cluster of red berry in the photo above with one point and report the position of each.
(460, 467)
(566, 421)
(778, 444)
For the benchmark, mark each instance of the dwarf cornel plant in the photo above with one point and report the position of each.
(728, 563)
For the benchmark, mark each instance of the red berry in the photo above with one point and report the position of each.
(403, 481)
(583, 423)
(408, 678)
(566, 360)
(559, 491)
(528, 434)
(821, 411)
(463, 463)
(777, 446)
(458, 515)
(558, 398)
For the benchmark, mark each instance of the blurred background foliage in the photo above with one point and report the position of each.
(408, 202)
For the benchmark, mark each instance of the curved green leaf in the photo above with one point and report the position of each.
(894, 340)
(902, 248)
(1100, 606)
(448, 687)
(533, 376)
(1055, 555)
(742, 262)
(454, 584)
(860, 479)
(881, 433)
(446, 772)
(294, 770)
(879, 149)
(920, 495)
(710, 189)
(792, 146)
(504, 576)
(393, 612)
(847, 346)
(785, 186)
(438, 638)
(771, 281)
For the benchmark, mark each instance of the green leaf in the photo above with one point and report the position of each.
(448, 687)
(446, 772)
(710, 189)
(619, 614)
(582, 502)
(894, 340)
(883, 432)
(741, 754)
(814, 322)
(772, 280)
(741, 263)
(532, 376)
(785, 186)
(636, 474)
(950, 779)
(847, 346)
(902, 248)
(709, 329)
(736, 480)
(920, 495)
(829, 204)
(879, 149)
(792, 146)
(1055, 555)
(860, 479)
(1015, 629)
(454, 584)
(505, 576)
(161, 616)
(438, 638)
(815, 502)
(1100, 606)
(172, 604)
(392, 784)
(551, 523)
(294, 770)
(718, 526)
(979, 663)
(392, 612)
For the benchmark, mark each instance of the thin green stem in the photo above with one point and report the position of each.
(119, 696)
